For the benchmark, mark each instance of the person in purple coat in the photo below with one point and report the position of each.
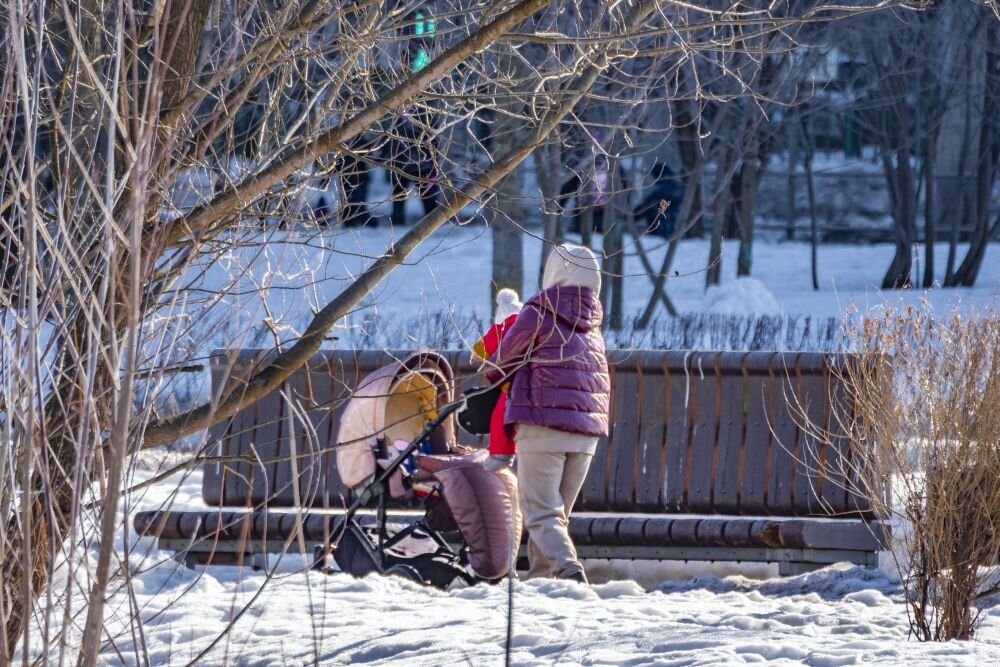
(560, 390)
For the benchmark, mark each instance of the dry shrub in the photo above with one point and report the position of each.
(925, 412)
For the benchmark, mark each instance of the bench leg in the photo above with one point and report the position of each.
(793, 568)
(187, 559)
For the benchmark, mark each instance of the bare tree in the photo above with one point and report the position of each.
(143, 142)
(927, 98)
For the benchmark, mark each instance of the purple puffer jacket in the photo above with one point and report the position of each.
(554, 353)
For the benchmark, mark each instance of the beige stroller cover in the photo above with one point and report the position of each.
(394, 403)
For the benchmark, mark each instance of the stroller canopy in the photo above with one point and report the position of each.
(394, 403)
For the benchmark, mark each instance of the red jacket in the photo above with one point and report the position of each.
(488, 344)
(501, 438)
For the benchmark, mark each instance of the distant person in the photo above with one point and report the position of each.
(553, 357)
(410, 161)
(666, 190)
(355, 176)
(600, 191)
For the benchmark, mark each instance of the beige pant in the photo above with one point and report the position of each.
(549, 481)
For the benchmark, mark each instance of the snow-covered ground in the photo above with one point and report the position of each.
(837, 616)
(679, 615)
(298, 271)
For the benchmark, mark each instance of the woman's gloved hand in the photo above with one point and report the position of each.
(498, 462)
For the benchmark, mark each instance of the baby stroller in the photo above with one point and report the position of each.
(399, 446)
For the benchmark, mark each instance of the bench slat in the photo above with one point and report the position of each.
(299, 439)
(268, 445)
(218, 436)
(347, 373)
(757, 438)
(784, 443)
(808, 481)
(236, 475)
(650, 458)
(594, 494)
(729, 453)
(835, 491)
(624, 443)
(704, 434)
(676, 438)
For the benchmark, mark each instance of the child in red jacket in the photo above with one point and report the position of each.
(501, 440)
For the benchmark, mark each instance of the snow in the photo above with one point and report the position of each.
(840, 615)
(286, 275)
(632, 615)
(743, 296)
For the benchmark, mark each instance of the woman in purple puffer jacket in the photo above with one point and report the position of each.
(558, 402)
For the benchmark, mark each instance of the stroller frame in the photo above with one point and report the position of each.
(348, 539)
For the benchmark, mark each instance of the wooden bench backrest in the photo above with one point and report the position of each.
(692, 432)
(718, 433)
(302, 416)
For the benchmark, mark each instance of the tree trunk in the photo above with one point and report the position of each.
(612, 287)
(723, 195)
(793, 163)
(813, 222)
(900, 179)
(748, 195)
(689, 147)
(547, 162)
(660, 278)
(585, 204)
(930, 203)
(505, 216)
(508, 247)
(986, 167)
(961, 189)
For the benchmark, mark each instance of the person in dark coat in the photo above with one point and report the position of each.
(411, 162)
(560, 391)
(666, 189)
(355, 178)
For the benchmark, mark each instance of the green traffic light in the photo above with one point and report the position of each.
(421, 60)
(423, 25)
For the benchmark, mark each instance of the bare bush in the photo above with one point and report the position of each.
(923, 416)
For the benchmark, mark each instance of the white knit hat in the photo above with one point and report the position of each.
(508, 303)
(570, 264)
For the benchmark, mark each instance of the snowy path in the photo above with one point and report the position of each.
(838, 616)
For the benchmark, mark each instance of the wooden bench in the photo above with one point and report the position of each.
(705, 462)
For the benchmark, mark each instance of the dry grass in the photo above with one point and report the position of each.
(924, 413)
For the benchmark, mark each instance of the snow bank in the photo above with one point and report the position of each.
(743, 296)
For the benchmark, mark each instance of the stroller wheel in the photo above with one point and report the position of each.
(406, 572)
